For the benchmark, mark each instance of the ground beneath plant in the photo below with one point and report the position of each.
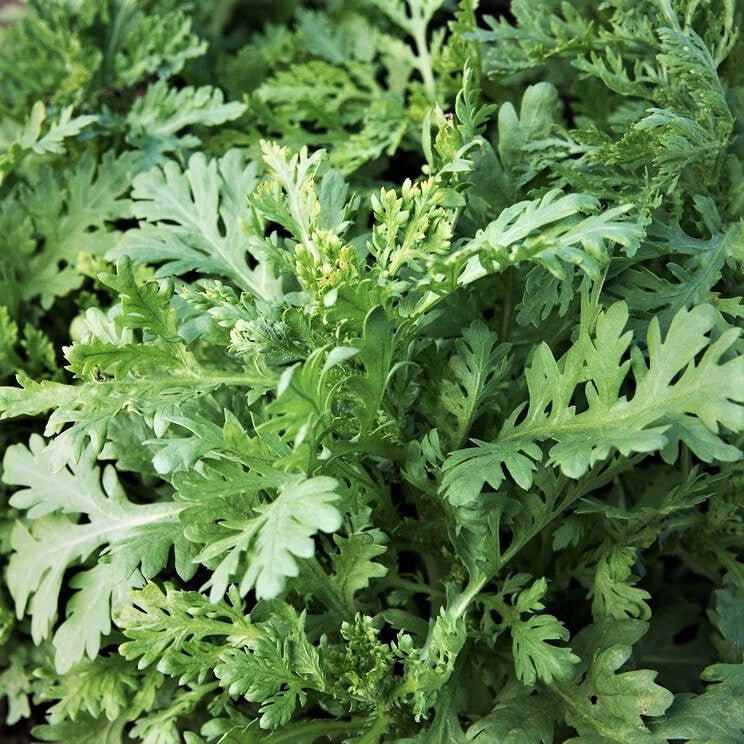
(18, 734)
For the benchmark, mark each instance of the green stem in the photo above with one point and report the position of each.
(477, 583)
(685, 461)
(477, 64)
(471, 591)
(728, 560)
(379, 727)
(506, 317)
(325, 728)
(424, 61)
(114, 40)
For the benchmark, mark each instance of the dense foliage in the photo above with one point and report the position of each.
(372, 372)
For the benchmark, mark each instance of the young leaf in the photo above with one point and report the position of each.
(478, 368)
(355, 565)
(278, 669)
(534, 657)
(614, 594)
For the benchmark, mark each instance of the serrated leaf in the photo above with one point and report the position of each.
(181, 213)
(534, 656)
(31, 139)
(602, 704)
(478, 368)
(72, 212)
(728, 619)
(54, 541)
(550, 232)
(523, 719)
(280, 532)
(86, 730)
(170, 628)
(614, 594)
(355, 565)
(715, 716)
(278, 669)
(677, 397)
(157, 120)
(107, 687)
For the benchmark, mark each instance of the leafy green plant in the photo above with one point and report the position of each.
(372, 373)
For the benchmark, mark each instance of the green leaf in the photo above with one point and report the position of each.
(534, 656)
(477, 368)
(446, 724)
(156, 121)
(355, 566)
(86, 730)
(728, 619)
(429, 668)
(343, 104)
(550, 232)
(146, 306)
(288, 196)
(690, 282)
(31, 138)
(182, 213)
(413, 230)
(18, 684)
(614, 594)
(52, 541)
(676, 399)
(414, 16)
(526, 718)
(177, 630)
(601, 704)
(152, 40)
(280, 532)
(425, 300)
(306, 393)
(107, 687)
(715, 716)
(534, 37)
(375, 351)
(72, 211)
(276, 672)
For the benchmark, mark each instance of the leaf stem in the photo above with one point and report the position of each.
(375, 733)
(728, 560)
(424, 61)
(476, 583)
(506, 316)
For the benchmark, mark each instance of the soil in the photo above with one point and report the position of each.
(18, 734)
(9, 10)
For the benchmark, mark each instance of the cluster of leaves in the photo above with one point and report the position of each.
(378, 372)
